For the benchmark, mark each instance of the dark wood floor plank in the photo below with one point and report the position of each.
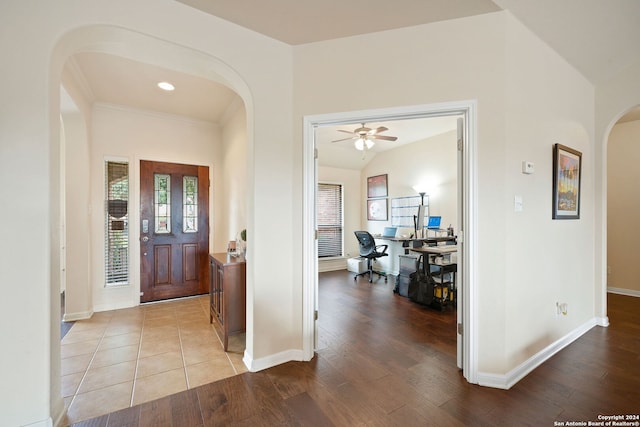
(213, 404)
(129, 417)
(100, 421)
(273, 407)
(227, 401)
(156, 413)
(362, 409)
(307, 412)
(185, 410)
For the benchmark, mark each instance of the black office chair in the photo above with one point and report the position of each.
(371, 252)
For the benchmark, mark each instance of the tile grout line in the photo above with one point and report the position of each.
(184, 361)
(86, 371)
(135, 371)
(206, 309)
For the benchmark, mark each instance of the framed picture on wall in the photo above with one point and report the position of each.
(567, 168)
(377, 210)
(377, 186)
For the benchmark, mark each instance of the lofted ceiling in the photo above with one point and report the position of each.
(298, 22)
(599, 38)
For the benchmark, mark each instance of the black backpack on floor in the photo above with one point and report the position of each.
(420, 288)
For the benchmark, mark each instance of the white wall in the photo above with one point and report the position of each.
(233, 200)
(546, 261)
(623, 205)
(78, 303)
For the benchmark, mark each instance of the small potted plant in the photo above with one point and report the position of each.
(241, 242)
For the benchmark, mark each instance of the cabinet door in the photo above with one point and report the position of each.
(215, 296)
(220, 302)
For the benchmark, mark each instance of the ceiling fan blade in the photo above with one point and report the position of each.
(346, 139)
(345, 131)
(384, 137)
(380, 130)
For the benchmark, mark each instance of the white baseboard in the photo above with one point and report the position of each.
(112, 306)
(81, 315)
(508, 380)
(255, 365)
(333, 264)
(622, 291)
(42, 423)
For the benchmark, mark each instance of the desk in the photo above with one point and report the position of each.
(442, 270)
(399, 246)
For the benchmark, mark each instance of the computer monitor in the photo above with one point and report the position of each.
(434, 223)
(389, 232)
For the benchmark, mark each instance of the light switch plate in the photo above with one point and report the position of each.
(517, 203)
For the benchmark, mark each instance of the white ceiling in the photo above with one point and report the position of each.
(599, 38)
(115, 80)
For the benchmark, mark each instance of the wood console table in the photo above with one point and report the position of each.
(228, 294)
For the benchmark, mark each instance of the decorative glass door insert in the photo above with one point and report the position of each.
(162, 202)
(190, 204)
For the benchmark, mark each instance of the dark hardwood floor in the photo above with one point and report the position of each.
(385, 361)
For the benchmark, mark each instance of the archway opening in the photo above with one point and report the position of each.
(85, 294)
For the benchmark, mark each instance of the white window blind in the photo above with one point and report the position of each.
(329, 220)
(116, 223)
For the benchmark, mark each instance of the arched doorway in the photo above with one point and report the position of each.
(623, 203)
(133, 46)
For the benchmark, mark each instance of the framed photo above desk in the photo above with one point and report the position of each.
(377, 210)
(377, 186)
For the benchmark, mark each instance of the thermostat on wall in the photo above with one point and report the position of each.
(528, 167)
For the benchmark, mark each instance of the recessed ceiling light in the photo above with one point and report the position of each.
(166, 86)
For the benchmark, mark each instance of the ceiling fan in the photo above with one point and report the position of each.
(364, 137)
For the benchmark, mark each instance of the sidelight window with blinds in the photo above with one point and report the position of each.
(116, 223)
(329, 217)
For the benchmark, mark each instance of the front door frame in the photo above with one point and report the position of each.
(204, 224)
(468, 232)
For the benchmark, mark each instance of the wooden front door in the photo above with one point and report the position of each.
(174, 230)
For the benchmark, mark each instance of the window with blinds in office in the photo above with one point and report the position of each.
(116, 223)
(329, 220)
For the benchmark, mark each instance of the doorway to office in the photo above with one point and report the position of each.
(466, 141)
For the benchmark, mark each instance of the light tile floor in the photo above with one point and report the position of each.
(125, 357)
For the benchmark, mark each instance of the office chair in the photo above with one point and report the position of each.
(371, 252)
